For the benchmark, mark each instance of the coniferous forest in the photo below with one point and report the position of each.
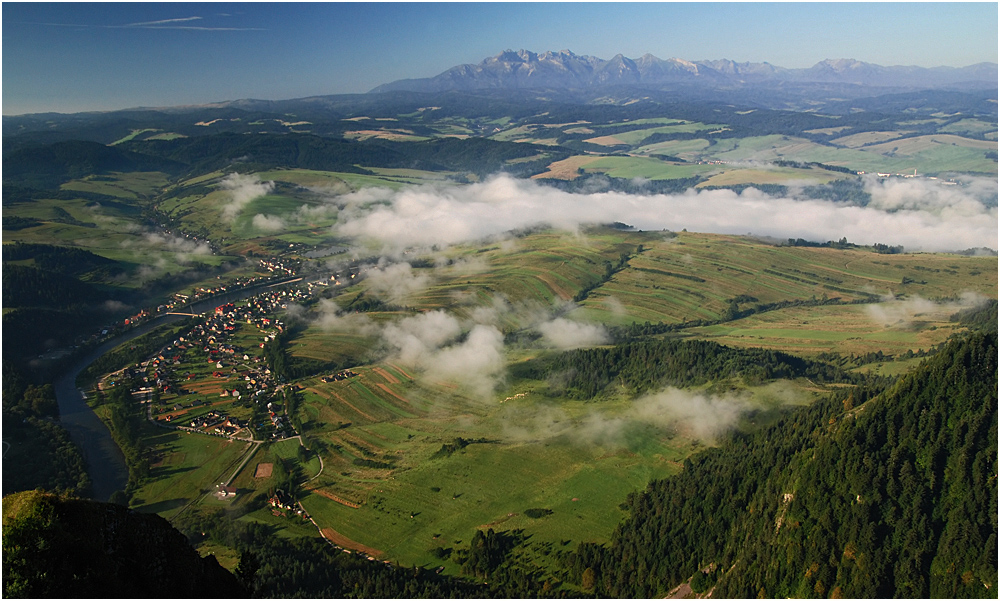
(872, 492)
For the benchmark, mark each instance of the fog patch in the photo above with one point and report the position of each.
(396, 282)
(114, 306)
(476, 363)
(565, 334)
(432, 343)
(242, 190)
(615, 306)
(177, 244)
(904, 313)
(332, 319)
(269, 224)
(671, 411)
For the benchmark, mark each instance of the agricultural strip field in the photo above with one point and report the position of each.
(525, 453)
(853, 329)
(694, 276)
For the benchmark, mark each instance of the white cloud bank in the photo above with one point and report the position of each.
(918, 214)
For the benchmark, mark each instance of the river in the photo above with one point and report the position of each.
(105, 461)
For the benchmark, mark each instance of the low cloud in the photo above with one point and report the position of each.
(477, 363)
(115, 306)
(670, 411)
(242, 190)
(396, 282)
(432, 343)
(903, 313)
(918, 214)
(177, 244)
(330, 318)
(566, 334)
(269, 223)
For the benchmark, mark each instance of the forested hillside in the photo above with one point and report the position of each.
(870, 493)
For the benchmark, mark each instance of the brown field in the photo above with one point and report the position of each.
(768, 176)
(382, 134)
(263, 470)
(549, 281)
(385, 388)
(339, 539)
(567, 168)
(337, 499)
(401, 370)
(605, 141)
(388, 377)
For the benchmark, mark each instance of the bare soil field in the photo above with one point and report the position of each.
(339, 539)
(567, 168)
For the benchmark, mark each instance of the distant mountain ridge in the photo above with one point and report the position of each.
(564, 69)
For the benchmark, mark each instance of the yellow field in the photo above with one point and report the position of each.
(868, 137)
(605, 141)
(770, 176)
(383, 134)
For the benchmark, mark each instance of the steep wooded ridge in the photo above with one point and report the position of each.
(73, 548)
(564, 69)
(870, 493)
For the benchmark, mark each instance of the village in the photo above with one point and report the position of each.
(212, 378)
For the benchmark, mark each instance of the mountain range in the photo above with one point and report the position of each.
(564, 69)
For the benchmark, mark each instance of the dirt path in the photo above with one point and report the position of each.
(388, 376)
(401, 370)
(385, 387)
(339, 539)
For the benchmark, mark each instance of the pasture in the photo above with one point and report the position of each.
(186, 467)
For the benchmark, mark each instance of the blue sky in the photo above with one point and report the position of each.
(69, 57)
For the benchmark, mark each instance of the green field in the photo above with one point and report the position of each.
(186, 468)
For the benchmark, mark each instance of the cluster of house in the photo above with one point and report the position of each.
(138, 317)
(282, 266)
(203, 292)
(213, 336)
(338, 376)
(281, 502)
(219, 422)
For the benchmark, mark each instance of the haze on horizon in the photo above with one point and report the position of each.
(72, 57)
